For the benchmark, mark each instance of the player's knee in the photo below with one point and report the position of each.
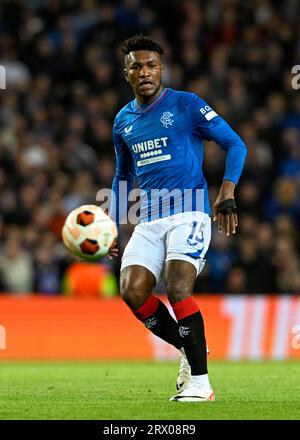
(133, 292)
(180, 279)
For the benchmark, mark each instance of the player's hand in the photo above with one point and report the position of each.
(226, 214)
(113, 251)
(224, 209)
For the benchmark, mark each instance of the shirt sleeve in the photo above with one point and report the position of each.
(123, 180)
(210, 126)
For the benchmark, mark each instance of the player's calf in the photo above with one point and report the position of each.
(136, 285)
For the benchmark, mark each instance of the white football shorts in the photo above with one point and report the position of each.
(184, 236)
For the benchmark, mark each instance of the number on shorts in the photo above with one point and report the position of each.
(197, 235)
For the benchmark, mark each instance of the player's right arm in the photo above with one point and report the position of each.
(124, 177)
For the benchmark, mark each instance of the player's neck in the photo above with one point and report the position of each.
(141, 100)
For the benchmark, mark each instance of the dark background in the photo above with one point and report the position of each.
(65, 85)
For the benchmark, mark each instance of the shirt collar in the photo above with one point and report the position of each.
(145, 107)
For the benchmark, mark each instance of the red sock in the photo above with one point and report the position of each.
(156, 317)
(147, 309)
(191, 330)
(185, 307)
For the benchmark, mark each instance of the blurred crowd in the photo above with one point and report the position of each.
(64, 85)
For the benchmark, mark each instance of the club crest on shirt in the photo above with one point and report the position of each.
(166, 119)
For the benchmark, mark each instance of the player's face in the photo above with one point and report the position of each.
(143, 70)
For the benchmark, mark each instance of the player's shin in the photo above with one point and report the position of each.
(191, 330)
(156, 317)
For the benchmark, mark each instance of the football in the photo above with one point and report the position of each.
(89, 233)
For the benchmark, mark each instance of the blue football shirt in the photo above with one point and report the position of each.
(162, 145)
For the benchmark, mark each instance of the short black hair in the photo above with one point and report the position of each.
(141, 42)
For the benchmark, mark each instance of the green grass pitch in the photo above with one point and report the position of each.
(141, 390)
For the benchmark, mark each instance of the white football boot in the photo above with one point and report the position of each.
(184, 374)
(194, 392)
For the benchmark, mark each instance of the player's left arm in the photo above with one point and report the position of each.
(212, 127)
(224, 208)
